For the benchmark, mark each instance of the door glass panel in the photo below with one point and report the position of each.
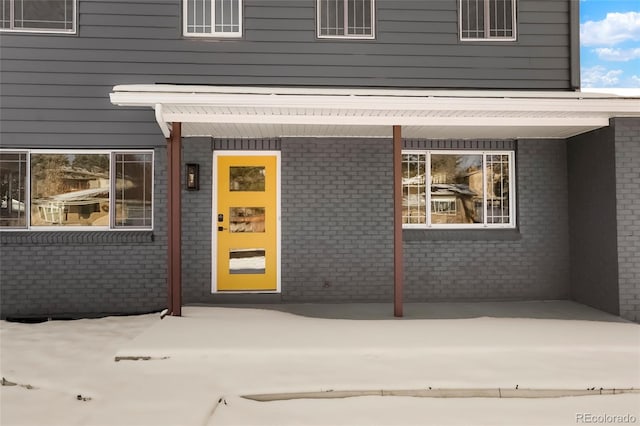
(246, 219)
(247, 261)
(246, 179)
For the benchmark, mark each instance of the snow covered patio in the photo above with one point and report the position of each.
(198, 366)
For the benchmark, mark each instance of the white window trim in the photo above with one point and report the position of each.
(72, 31)
(512, 191)
(371, 36)
(112, 226)
(213, 33)
(487, 29)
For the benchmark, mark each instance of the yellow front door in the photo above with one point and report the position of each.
(246, 222)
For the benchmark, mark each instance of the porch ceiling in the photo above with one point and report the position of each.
(261, 112)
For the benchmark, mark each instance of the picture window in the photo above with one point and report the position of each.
(463, 189)
(76, 189)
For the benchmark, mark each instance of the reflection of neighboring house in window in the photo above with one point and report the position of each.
(453, 203)
(74, 179)
(85, 200)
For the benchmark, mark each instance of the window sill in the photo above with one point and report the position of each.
(76, 237)
(346, 37)
(410, 235)
(488, 39)
(37, 31)
(206, 36)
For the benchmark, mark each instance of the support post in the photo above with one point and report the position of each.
(174, 225)
(398, 263)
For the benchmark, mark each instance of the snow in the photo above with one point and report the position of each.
(219, 354)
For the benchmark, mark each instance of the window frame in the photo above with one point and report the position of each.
(371, 36)
(485, 225)
(487, 29)
(112, 226)
(213, 33)
(11, 29)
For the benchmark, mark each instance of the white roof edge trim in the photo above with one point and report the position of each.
(164, 126)
(195, 89)
(380, 103)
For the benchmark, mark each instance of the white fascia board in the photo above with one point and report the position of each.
(162, 122)
(610, 107)
(327, 91)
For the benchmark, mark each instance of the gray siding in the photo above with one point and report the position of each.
(54, 87)
(627, 158)
(592, 209)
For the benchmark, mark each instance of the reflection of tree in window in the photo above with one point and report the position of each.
(246, 178)
(47, 174)
(91, 162)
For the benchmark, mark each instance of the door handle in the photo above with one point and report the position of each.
(221, 228)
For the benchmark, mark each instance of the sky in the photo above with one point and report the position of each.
(610, 43)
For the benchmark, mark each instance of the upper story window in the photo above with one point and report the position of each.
(488, 19)
(346, 18)
(73, 190)
(458, 189)
(213, 18)
(50, 16)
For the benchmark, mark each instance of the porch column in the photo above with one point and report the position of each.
(174, 226)
(397, 222)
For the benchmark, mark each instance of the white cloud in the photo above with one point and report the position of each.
(615, 28)
(617, 55)
(636, 80)
(599, 76)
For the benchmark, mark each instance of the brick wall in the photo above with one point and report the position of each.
(337, 220)
(196, 223)
(592, 212)
(87, 273)
(337, 239)
(627, 158)
(529, 263)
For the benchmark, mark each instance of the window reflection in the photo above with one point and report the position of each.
(414, 188)
(134, 189)
(247, 261)
(246, 179)
(69, 189)
(246, 219)
(497, 172)
(456, 188)
(13, 173)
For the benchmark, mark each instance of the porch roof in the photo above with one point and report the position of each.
(261, 112)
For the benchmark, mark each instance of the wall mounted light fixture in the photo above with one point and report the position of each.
(193, 176)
